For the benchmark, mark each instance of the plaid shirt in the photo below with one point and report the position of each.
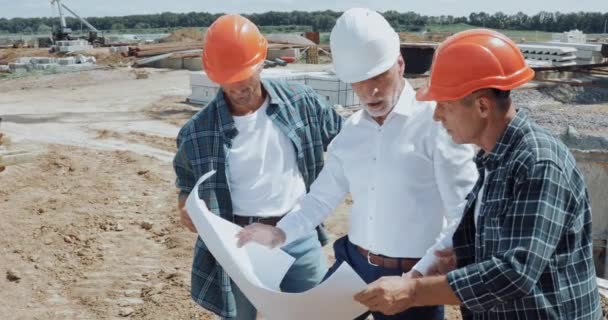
(530, 256)
(203, 142)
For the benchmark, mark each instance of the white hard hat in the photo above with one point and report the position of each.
(363, 45)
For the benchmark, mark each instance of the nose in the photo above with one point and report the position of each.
(375, 91)
(438, 113)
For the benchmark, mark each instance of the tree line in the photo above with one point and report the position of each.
(323, 21)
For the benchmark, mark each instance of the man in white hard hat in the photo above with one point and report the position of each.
(408, 180)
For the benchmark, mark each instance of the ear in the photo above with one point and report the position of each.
(401, 63)
(484, 106)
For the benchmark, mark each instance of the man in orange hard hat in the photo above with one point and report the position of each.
(523, 249)
(265, 139)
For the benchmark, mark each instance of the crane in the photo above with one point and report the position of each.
(64, 32)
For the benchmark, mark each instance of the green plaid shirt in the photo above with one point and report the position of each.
(530, 255)
(297, 111)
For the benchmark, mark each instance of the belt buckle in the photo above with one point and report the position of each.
(369, 260)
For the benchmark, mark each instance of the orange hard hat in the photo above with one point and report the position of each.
(472, 60)
(234, 48)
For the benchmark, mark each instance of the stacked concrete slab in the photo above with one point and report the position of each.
(332, 89)
(558, 56)
(587, 53)
(564, 53)
(325, 84)
(27, 64)
(72, 45)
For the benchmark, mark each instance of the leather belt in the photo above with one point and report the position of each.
(404, 264)
(245, 221)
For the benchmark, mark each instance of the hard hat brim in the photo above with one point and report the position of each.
(433, 93)
(228, 77)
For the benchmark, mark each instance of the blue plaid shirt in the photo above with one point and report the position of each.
(297, 111)
(530, 255)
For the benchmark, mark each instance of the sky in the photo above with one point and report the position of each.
(89, 8)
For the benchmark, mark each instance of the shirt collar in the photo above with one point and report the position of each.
(405, 104)
(227, 126)
(505, 142)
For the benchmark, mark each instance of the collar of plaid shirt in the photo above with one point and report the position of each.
(224, 117)
(492, 160)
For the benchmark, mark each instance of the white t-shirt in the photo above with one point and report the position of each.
(262, 168)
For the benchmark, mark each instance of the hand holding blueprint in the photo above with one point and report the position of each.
(258, 272)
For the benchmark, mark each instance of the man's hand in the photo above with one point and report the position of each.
(184, 218)
(412, 274)
(389, 295)
(445, 263)
(266, 235)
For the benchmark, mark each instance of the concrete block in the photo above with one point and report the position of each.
(175, 64)
(277, 53)
(121, 49)
(335, 91)
(80, 59)
(549, 57)
(586, 54)
(545, 49)
(193, 64)
(75, 48)
(327, 85)
(18, 67)
(24, 60)
(66, 61)
(43, 60)
(594, 167)
(203, 94)
(578, 46)
(69, 43)
(44, 66)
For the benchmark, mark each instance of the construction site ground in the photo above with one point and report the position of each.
(90, 229)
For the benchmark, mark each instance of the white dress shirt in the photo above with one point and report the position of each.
(263, 171)
(407, 178)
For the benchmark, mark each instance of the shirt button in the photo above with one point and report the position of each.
(373, 188)
(374, 158)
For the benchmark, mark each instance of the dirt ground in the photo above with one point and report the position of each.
(89, 229)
